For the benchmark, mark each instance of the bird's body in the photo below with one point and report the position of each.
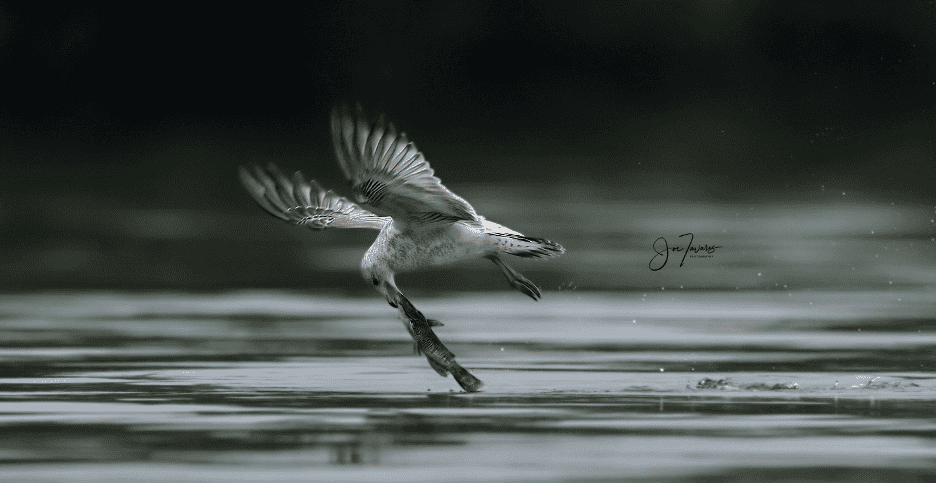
(439, 244)
(424, 225)
(425, 245)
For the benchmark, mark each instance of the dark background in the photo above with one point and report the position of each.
(600, 125)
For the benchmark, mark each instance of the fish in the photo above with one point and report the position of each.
(439, 357)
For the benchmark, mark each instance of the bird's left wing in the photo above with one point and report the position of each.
(304, 202)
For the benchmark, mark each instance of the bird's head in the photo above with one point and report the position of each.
(382, 281)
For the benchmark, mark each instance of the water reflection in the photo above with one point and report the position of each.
(279, 386)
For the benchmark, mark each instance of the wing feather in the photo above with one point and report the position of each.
(387, 171)
(304, 202)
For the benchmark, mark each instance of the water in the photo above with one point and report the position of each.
(279, 386)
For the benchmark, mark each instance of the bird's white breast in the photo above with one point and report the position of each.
(432, 245)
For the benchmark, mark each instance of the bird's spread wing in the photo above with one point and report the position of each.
(388, 173)
(304, 202)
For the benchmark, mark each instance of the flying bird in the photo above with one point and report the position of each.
(421, 222)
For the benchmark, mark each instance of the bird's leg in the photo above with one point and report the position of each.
(516, 280)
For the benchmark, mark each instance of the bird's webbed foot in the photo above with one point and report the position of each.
(517, 281)
(525, 286)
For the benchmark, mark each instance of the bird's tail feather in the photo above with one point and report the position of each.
(523, 246)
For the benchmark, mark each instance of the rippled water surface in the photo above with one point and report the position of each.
(275, 386)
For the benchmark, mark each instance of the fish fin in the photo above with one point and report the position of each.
(465, 379)
(434, 322)
(416, 350)
(437, 367)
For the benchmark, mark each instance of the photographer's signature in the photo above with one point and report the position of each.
(663, 249)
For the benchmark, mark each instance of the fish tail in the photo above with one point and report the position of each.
(467, 381)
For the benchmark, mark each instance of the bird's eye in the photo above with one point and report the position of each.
(375, 281)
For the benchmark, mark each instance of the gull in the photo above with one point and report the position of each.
(421, 222)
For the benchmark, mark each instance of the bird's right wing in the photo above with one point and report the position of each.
(304, 202)
(388, 173)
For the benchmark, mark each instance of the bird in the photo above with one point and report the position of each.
(421, 223)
